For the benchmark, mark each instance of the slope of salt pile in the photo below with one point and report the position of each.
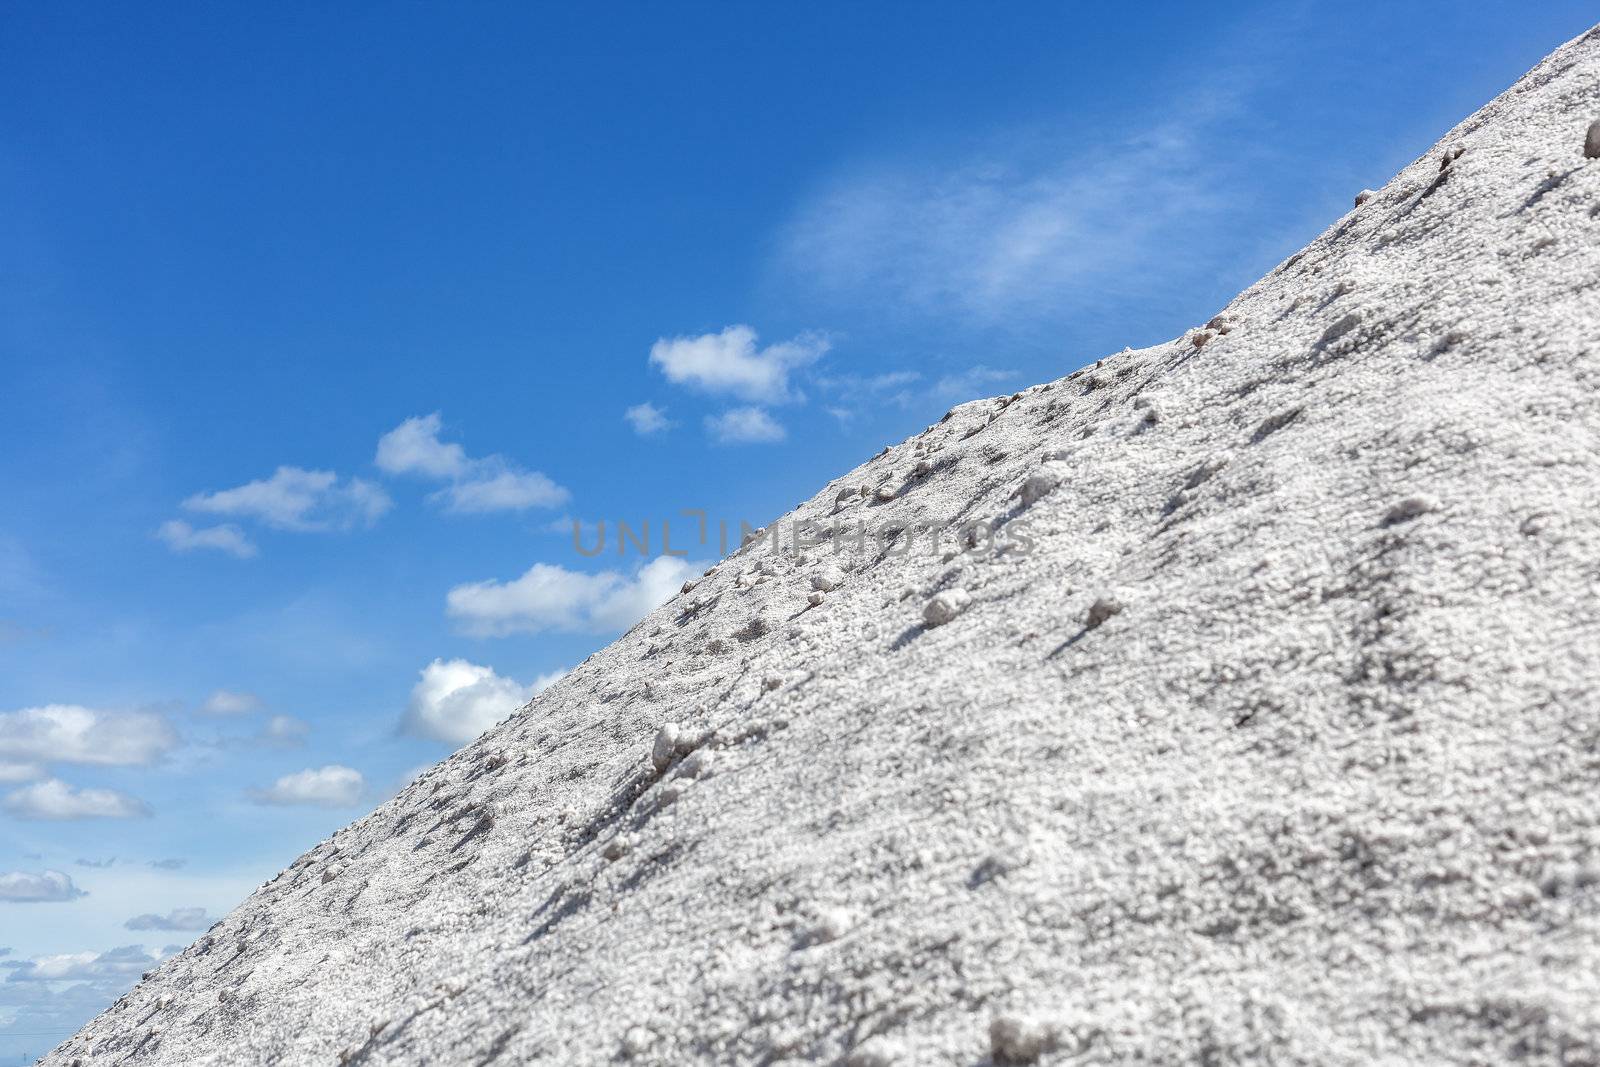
(1265, 727)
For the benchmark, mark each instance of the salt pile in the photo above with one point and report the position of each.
(1262, 728)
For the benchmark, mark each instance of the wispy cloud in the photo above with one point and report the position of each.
(854, 396)
(551, 597)
(227, 702)
(1044, 221)
(869, 384)
(490, 483)
(178, 919)
(971, 384)
(299, 500)
(226, 537)
(455, 700)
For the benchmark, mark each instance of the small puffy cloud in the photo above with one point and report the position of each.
(120, 965)
(551, 597)
(53, 800)
(284, 731)
(176, 919)
(414, 447)
(168, 865)
(225, 537)
(299, 500)
(69, 733)
(47, 887)
(647, 419)
(332, 786)
(225, 702)
(729, 363)
(455, 700)
(745, 426)
(492, 483)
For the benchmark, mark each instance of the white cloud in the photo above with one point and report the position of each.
(118, 966)
(298, 499)
(855, 396)
(414, 447)
(55, 801)
(1030, 225)
(971, 383)
(550, 597)
(225, 702)
(503, 490)
(181, 537)
(492, 483)
(176, 919)
(647, 419)
(745, 426)
(12, 773)
(53, 995)
(332, 786)
(730, 363)
(68, 733)
(455, 700)
(855, 384)
(285, 731)
(48, 887)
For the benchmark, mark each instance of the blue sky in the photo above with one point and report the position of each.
(318, 328)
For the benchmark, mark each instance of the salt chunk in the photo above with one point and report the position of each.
(831, 925)
(1041, 483)
(666, 746)
(637, 1041)
(698, 764)
(1017, 1038)
(1412, 507)
(945, 606)
(1101, 610)
(826, 581)
(878, 1051)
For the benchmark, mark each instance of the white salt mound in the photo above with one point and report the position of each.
(1323, 792)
